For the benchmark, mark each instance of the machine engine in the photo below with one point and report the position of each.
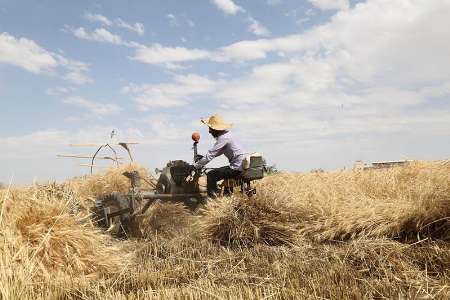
(177, 178)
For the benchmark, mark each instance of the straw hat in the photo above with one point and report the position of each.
(216, 122)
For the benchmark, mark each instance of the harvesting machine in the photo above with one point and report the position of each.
(178, 182)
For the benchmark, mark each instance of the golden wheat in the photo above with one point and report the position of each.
(345, 234)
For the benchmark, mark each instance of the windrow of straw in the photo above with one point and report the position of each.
(164, 219)
(239, 221)
(44, 237)
(406, 203)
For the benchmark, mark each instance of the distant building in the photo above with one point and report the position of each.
(390, 164)
(360, 165)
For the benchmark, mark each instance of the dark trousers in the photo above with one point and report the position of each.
(218, 174)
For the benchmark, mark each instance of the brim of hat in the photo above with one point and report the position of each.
(224, 126)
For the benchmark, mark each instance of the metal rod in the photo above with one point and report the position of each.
(87, 156)
(98, 145)
(144, 209)
(194, 146)
(115, 154)
(84, 145)
(118, 213)
(148, 195)
(152, 197)
(93, 157)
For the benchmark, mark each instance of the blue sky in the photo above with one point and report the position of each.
(310, 84)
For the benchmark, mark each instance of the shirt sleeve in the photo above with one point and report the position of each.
(215, 151)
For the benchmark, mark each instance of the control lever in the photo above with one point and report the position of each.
(195, 138)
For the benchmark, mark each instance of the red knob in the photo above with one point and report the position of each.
(196, 136)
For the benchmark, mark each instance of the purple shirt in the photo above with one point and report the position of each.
(230, 147)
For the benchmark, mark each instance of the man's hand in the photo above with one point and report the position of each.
(191, 168)
(197, 166)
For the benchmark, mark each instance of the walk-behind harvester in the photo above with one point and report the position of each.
(178, 182)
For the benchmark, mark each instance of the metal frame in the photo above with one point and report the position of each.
(114, 158)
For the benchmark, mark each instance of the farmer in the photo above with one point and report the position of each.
(225, 144)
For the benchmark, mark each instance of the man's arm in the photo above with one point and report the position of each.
(215, 151)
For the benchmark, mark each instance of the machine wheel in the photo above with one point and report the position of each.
(163, 186)
(116, 225)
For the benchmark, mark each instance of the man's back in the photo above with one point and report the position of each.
(232, 149)
(229, 146)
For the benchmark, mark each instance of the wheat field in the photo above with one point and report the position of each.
(332, 235)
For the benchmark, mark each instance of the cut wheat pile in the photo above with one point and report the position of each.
(346, 234)
(405, 204)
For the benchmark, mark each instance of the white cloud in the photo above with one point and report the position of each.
(228, 6)
(257, 28)
(180, 20)
(136, 27)
(173, 20)
(167, 95)
(30, 56)
(246, 50)
(254, 26)
(349, 77)
(164, 129)
(37, 143)
(26, 54)
(76, 70)
(330, 4)
(98, 18)
(436, 91)
(348, 62)
(78, 77)
(58, 91)
(99, 35)
(301, 18)
(350, 36)
(190, 23)
(100, 109)
(365, 49)
(291, 44)
(157, 54)
(249, 89)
